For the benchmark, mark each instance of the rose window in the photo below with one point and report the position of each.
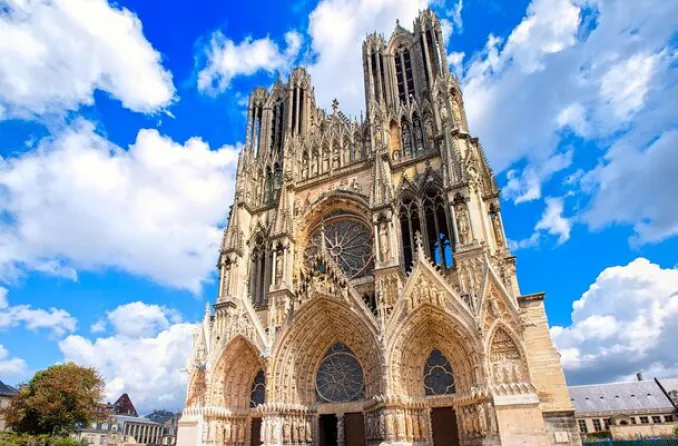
(347, 240)
(340, 376)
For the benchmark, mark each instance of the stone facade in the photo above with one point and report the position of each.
(367, 294)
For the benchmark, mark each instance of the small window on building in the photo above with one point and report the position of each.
(606, 424)
(596, 425)
(102, 439)
(633, 420)
(644, 420)
(104, 427)
(668, 418)
(583, 428)
(656, 419)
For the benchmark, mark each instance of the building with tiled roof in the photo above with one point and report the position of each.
(618, 407)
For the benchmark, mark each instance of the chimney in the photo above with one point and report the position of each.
(639, 376)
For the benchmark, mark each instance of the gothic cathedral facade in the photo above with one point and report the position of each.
(367, 294)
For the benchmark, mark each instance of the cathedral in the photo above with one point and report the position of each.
(367, 294)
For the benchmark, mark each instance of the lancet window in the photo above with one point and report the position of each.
(258, 277)
(340, 376)
(404, 77)
(277, 127)
(429, 217)
(258, 392)
(438, 375)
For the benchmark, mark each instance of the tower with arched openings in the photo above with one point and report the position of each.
(367, 294)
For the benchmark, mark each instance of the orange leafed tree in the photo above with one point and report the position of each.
(56, 400)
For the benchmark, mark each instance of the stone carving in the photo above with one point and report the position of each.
(384, 243)
(462, 223)
(496, 226)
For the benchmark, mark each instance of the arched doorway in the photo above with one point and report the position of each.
(329, 360)
(432, 357)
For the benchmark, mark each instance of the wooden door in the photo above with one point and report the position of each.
(327, 430)
(354, 429)
(444, 423)
(256, 432)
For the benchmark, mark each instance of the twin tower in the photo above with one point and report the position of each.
(367, 294)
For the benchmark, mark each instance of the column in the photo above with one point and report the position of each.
(340, 429)
(298, 99)
(273, 268)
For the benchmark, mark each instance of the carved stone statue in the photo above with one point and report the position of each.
(279, 266)
(384, 242)
(496, 225)
(428, 128)
(304, 168)
(462, 224)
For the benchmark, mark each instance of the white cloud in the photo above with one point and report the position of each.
(225, 59)
(138, 319)
(596, 69)
(11, 367)
(79, 202)
(624, 323)
(98, 327)
(637, 187)
(455, 59)
(147, 364)
(551, 222)
(337, 29)
(55, 53)
(625, 86)
(56, 320)
(526, 185)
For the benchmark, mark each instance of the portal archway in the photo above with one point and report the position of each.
(303, 344)
(234, 372)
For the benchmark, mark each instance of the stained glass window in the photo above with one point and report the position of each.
(347, 240)
(258, 394)
(438, 376)
(340, 376)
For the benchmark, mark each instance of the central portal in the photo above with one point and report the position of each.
(353, 429)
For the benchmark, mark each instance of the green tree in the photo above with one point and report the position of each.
(56, 400)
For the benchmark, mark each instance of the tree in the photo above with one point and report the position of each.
(56, 400)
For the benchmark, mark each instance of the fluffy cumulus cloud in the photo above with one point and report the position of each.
(224, 59)
(147, 363)
(597, 70)
(11, 366)
(57, 321)
(80, 202)
(55, 53)
(625, 323)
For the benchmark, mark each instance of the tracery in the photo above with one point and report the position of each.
(340, 376)
(348, 240)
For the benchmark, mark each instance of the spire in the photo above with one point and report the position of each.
(233, 235)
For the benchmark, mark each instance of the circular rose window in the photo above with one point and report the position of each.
(347, 240)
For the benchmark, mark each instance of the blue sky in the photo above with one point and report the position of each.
(120, 125)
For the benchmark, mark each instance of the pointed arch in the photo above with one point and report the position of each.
(409, 215)
(236, 366)
(257, 271)
(438, 236)
(507, 356)
(410, 343)
(318, 326)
